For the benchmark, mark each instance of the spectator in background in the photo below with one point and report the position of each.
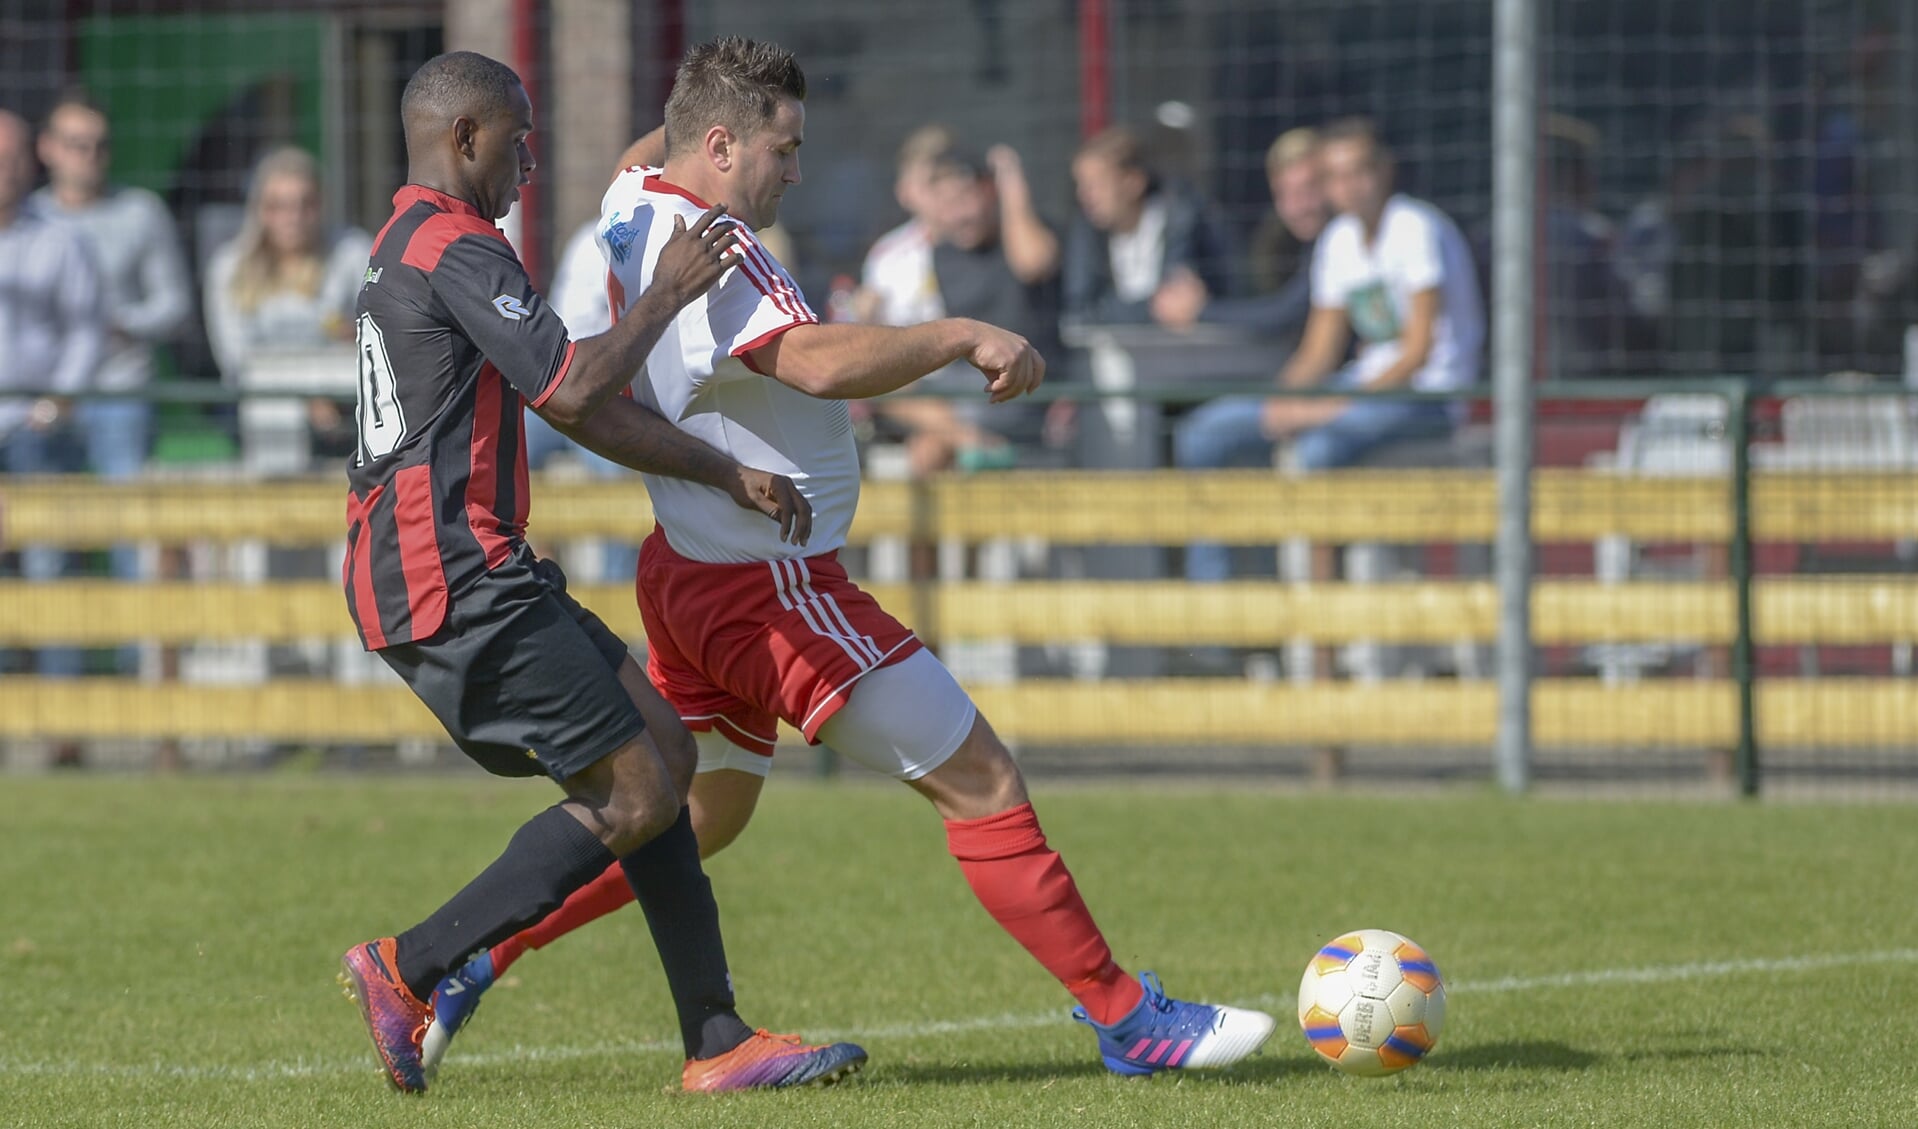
(148, 295)
(1732, 271)
(52, 311)
(992, 258)
(1282, 252)
(145, 287)
(286, 282)
(1395, 271)
(1133, 233)
(1590, 330)
(897, 286)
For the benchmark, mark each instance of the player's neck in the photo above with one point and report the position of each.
(438, 181)
(694, 176)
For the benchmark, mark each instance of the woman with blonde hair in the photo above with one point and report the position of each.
(286, 282)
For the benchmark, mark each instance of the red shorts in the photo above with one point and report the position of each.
(740, 647)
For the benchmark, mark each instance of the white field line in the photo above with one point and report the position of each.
(1011, 1021)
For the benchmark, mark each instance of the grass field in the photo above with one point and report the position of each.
(167, 951)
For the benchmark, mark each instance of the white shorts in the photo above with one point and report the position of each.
(902, 720)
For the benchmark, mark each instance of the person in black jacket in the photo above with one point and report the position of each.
(1133, 232)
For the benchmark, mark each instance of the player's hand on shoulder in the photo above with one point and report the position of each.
(695, 257)
(1011, 365)
(777, 497)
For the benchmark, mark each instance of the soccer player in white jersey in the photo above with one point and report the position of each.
(744, 631)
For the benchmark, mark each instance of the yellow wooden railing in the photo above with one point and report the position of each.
(1066, 508)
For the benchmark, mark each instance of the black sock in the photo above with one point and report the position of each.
(678, 901)
(550, 856)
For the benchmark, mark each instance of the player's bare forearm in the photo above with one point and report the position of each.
(854, 362)
(635, 436)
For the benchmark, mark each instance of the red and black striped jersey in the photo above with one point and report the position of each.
(453, 343)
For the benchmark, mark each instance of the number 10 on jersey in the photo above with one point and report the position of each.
(382, 424)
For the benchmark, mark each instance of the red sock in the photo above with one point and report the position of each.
(590, 902)
(1026, 888)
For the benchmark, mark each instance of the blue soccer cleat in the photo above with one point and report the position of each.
(454, 1002)
(1167, 1034)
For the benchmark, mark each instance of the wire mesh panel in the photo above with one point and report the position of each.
(1158, 564)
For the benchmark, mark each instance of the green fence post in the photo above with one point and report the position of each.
(1744, 671)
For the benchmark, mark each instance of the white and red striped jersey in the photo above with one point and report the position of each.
(700, 377)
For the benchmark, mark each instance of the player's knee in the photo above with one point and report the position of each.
(1002, 785)
(679, 752)
(979, 779)
(633, 821)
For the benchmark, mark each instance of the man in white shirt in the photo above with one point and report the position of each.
(745, 631)
(1391, 269)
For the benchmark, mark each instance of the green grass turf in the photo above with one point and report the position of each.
(167, 950)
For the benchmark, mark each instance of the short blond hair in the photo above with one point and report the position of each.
(1292, 146)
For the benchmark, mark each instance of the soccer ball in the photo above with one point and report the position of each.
(1372, 1003)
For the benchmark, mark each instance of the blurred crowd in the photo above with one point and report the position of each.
(1364, 286)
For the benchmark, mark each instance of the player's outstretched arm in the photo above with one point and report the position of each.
(692, 260)
(634, 435)
(853, 362)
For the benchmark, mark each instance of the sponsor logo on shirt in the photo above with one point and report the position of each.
(620, 234)
(1373, 318)
(511, 308)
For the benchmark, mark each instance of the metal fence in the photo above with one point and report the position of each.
(1679, 548)
(1725, 595)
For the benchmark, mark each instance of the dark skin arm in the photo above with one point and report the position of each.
(649, 151)
(586, 408)
(634, 435)
(692, 260)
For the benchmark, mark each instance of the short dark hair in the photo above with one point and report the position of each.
(458, 84)
(1362, 130)
(959, 161)
(734, 82)
(925, 145)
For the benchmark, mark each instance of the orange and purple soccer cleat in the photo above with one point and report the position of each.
(772, 1062)
(395, 1018)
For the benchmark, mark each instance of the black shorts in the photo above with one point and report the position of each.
(524, 679)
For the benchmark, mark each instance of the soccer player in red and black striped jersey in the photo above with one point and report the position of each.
(454, 343)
